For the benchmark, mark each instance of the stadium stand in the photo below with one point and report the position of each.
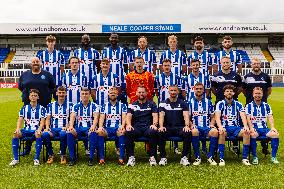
(3, 54)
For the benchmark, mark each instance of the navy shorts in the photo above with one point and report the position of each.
(262, 131)
(56, 132)
(28, 134)
(233, 131)
(203, 131)
(82, 132)
(111, 132)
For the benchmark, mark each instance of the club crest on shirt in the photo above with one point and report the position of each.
(42, 77)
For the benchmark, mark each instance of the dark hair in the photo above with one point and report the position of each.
(140, 58)
(142, 86)
(85, 89)
(229, 86)
(257, 88)
(173, 86)
(227, 37)
(195, 60)
(198, 83)
(61, 88)
(86, 35)
(34, 91)
(166, 60)
(73, 57)
(105, 60)
(198, 38)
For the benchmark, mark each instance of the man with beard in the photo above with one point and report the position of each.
(39, 79)
(201, 112)
(89, 58)
(142, 120)
(52, 61)
(118, 62)
(202, 55)
(174, 122)
(235, 57)
(194, 77)
(257, 114)
(226, 114)
(139, 77)
(257, 78)
(147, 54)
(112, 124)
(177, 57)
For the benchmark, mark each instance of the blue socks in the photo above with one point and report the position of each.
(274, 146)
(196, 145)
(253, 146)
(221, 148)
(93, 144)
(121, 141)
(15, 147)
(46, 138)
(212, 146)
(38, 147)
(101, 144)
(63, 142)
(245, 151)
(71, 146)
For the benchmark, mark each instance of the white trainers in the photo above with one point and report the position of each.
(176, 151)
(36, 162)
(246, 162)
(212, 161)
(255, 161)
(163, 162)
(274, 160)
(152, 161)
(197, 161)
(131, 161)
(87, 152)
(184, 161)
(222, 162)
(14, 162)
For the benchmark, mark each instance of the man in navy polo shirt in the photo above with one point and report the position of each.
(225, 77)
(142, 120)
(257, 78)
(173, 122)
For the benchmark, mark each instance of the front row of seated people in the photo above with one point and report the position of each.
(191, 121)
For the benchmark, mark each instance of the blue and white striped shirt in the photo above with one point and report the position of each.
(235, 57)
(258, 114)
(201, 111)
(73, 85)
(163, 82)
(178, 59)
(87, 60)
(230, 114)
(59, 114)
(190, 81)
(51, 62)
(113, 113)
(205, 59)
(148, 55)
(102, 84)
(85, 115)
(118, 57)
(32, 116)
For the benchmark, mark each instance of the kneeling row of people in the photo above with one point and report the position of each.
(173, 118)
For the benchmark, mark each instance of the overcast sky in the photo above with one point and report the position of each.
(141, 11)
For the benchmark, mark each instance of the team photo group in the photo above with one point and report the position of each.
(132, 96)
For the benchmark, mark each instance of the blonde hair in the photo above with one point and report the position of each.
(172, 37)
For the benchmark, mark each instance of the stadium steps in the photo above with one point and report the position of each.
(10, 56)
(267, 55)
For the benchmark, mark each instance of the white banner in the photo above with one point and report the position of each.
(232, 28)
(49, 28)
(183, 28)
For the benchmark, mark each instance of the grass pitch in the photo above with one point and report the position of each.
(233, 175)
